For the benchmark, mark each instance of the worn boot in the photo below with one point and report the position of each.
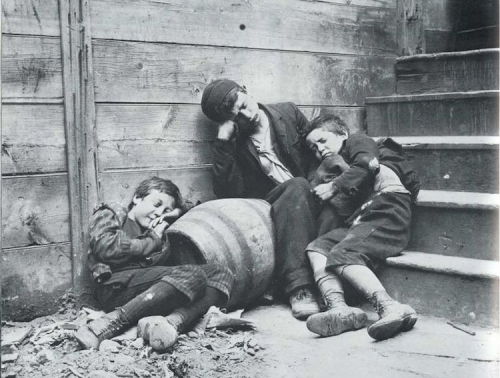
(394, 316)
(105, 327)
(158, 331)
(303, 303)
(338, 318)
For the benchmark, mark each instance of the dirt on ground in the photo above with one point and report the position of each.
(281, 347)
(46, 347)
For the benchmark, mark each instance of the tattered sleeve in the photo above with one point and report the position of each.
(361, 153)
(111, 245)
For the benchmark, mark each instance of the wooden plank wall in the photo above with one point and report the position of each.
(152, 60)
(36, 258)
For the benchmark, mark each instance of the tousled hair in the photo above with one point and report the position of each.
(160, 184)
(328, 121)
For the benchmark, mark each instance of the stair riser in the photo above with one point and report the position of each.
(482, 38)
(451, 74)
(455, 232)
(468, 116)
(466, 170)
(449, 296)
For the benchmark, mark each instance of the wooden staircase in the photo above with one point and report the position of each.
(445, 114)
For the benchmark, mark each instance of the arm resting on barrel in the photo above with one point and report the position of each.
(111, 245)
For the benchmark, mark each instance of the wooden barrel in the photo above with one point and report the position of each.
(236, 232)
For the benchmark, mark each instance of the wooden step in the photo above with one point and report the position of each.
(457, 163)
(453, 113)
(456, 224)
(478, 38)
(456, 288)
(461, 71)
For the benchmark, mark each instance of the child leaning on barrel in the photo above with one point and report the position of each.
(132, 265)
(375, 190)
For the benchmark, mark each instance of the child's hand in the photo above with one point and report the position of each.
(226, 130)
(325, 191)
(172, 215)
(159, 226)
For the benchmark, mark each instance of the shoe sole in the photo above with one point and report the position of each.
(335, 325)
(86, 338)
(303, 315)
(383, 331)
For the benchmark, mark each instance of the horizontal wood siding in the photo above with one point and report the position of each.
(265, 24)
(152, 60)
(33, 139)
(195, 183)
(34, 17)
(161, 136)
(33, 279)
(35, 210)
(36, 258)
(151, 72)
(31, 68)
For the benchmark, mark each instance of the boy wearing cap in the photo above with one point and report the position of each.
(257, 154)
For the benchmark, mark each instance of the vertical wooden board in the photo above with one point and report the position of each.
(195, 183)
(31, 67)
(147, 72)
(410, 27)
(33, 279)
(309, 26)
(33, 139)
(153, 122)
(34, 210)
(35, 17)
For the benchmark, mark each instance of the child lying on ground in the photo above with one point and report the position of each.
(129, 258)
(381, 185)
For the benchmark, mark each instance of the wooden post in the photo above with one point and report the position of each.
(79, 122)
(410, 27)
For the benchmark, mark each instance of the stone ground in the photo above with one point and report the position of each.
(280, 347)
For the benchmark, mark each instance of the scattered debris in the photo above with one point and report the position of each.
(46, 347)
(130, 334)
(220, 320)
(109, 346)
(138, 343)
(44, 356)
(461, 327)
(10, 357)
(13, 336)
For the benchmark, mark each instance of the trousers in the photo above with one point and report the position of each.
(294, 211)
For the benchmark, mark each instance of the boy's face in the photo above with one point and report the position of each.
(245, 112)
(152, 206)
(324, 142)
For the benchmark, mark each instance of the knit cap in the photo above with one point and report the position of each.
(213, 98)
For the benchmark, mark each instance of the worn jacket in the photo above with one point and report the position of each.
(112, 250)
(236, 166)
(363, 154)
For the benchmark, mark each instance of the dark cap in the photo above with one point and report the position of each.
(213, 97)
